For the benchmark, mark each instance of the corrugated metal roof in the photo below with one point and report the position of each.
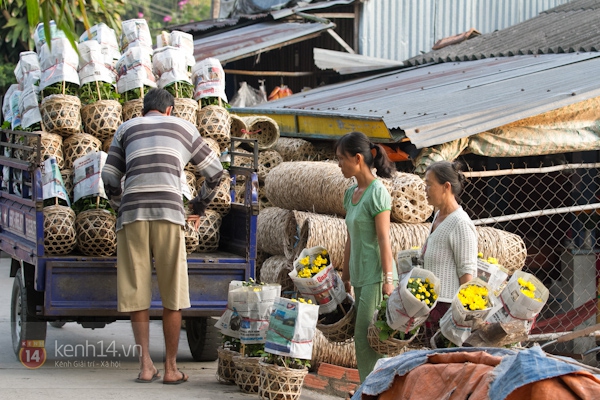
(571, 27)
(439, 103)
(346, 63)
(254, 39)
(309, 7)
(400, 29)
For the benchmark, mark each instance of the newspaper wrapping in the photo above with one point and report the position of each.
(208, 79)
(6, 109)
(493, 274)
(182, 40)
(169, 65)
(107, 39)
(325, 288)
(28, 71)
(52, 182)
(14, 109)
(134, 70)
(135, 33)
(248, 311)
(292, 328)
(456, 325)
(29, 109)
(513, 304)
(404, 311)
(39, 36)
(94, 64)
(87, 178)
(406, 260)
(58, 64)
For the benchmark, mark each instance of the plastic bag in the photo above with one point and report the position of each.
(247, 96)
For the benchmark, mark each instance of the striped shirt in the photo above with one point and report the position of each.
(151, 153)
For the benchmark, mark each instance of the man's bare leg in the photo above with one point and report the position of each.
(140, 323)
(171, 331)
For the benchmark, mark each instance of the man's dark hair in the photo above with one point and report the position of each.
(158, 100)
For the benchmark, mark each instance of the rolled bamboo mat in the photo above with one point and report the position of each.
(509, 249)
(324, 351)
(317, 187)
(330, 232)
(267, 160)
(275, 269)
(261, 256)
(275, 229)
(294, 149)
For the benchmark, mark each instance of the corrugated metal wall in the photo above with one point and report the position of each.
(400, 29)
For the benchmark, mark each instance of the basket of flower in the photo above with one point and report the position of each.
(413, 299)
(225, 364)
(281, 377)
(338, 325)
(385, 340)
(470, 307)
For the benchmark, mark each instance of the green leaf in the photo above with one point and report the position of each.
(383, 336)
(33, 12)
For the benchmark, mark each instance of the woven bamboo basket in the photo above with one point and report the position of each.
(226, 366)
(280, 383)
(221, 203)
(275, 269)
(308, 186)
(509, 249)
(133, 109)
(106, 144)
(238, 126)
(214, 122)
(409, 200)
(263, 200)
(190, 179)
(214, 146)
(261, 257)
(61, 114)
(192, 239)
(67, 177)
(51, 146)
(275, 231)
(208, 232)
(78, 145)
(59, 230)
(324, 351)
(186, 109)
(331, 232)
(325, 151)
(341, 331)
(390, 347)
(262, 128)
(102, 118)
(247, 373)
(96, 233)
(293, 149)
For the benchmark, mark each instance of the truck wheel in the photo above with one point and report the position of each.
(23, 323)
(57, 324)
(203, 338)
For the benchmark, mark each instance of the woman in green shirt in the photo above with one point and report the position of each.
(368, 261)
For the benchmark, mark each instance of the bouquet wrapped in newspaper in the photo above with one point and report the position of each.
(59, 66)
(29, 109)
(171, 66)
(489, 271)
(134, 74)
(136, 33)
(40, 33)
(107, 39)
(249, 306)
(470, 307)
(28, 71)
(181, 40)
(411, 302)
(522, 299)
(317, 280)
(208, 79)
(292, 328)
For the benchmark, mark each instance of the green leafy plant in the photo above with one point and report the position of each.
(134, 94)
(213, 101)
(68, 88)
(54, 201)
(385, 332)
(92, 92)
(253, 350)
(92, 203)
(181, 90)
(285, 361)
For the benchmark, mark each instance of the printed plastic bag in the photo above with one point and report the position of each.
(292, 328)
(325, 288)
(404, 311)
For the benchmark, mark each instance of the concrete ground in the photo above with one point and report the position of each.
(99, 364)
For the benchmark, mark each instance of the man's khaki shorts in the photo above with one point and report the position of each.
(137, 244)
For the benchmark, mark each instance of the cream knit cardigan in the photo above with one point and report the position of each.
(451, 251)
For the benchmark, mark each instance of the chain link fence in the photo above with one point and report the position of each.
(553, 204)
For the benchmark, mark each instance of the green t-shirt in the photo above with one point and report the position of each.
(365, 258)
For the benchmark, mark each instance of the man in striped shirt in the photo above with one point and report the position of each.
(150, 152)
